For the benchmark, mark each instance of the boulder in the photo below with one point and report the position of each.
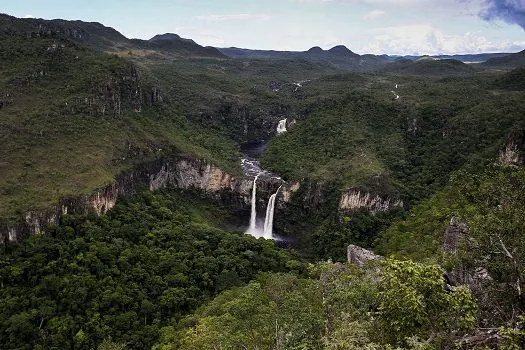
(359, 256)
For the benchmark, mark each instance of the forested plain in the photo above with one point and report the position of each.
(164, 270)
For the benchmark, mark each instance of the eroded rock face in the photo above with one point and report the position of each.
(180, 172)
(513, 152)
(288, 190)
(359, 256)
(455, 230)
(355, 199)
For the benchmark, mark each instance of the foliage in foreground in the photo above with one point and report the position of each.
(491, 203)
(396, 304)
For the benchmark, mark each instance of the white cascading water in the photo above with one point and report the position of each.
(281, 127)
(268, 221)
(252, 230)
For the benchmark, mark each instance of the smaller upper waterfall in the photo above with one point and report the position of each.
(281, 127)
(268, 221)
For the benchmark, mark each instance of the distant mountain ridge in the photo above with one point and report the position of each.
(98, 37)
(465, 58)
(336, 53)
(339, 56)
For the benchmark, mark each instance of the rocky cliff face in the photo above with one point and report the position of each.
(352, 200)
(114, 95)
(456, 230)
(287, 191)
(180, 172)
(513, 152)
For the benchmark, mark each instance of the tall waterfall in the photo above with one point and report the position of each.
(281, 127)
(252, 230)
(268, 221)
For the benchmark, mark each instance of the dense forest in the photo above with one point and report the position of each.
(124, 276)
(123, 202)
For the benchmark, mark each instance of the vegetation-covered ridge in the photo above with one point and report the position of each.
(485, 234)
(396, 304)
(98, 37)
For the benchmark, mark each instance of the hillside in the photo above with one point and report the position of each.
(513, 80)
(429, 66)
(513, 60)
(368, 145)
(98, 37)
(80, 118)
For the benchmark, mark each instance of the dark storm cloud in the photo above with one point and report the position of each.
(510, 11)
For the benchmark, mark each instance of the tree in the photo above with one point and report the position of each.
(413, 302)
(493, 205)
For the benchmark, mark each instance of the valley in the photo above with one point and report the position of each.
(161, 194)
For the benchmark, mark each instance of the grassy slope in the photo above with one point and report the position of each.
(52, 146)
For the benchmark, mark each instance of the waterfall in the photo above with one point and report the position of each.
(268, 221)
(281, 127)
(252, 230)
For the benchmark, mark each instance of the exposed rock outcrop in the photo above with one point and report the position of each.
(490, 338)
(473, 276)
(288, 190)
(359, 256)
(112, 96)
(352, 200)
(455, 230)
(513, 152)
(179, 172)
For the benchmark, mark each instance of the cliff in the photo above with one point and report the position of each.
(352, 200)
(513, 151)
(179, 172)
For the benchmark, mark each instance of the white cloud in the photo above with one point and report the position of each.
(28, 16)
(233, 17)
(374, 14)
(425, 39)
(387, 2)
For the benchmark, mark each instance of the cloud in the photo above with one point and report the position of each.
(425, 39)
(233, 17)
(510, 11)
(374, 14)
(384, 2)
(28, 16)
(396, 2)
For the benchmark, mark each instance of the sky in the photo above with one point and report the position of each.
(396, 27)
